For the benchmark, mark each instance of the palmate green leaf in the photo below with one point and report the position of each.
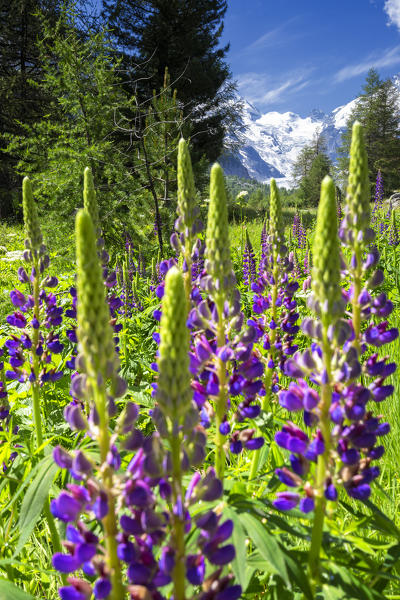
(9, 591)
(267, 546)
(34, 499)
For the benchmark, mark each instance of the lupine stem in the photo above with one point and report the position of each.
(35, 363)
(55, 538)
(221, 401)
(356, 307)
(188, 278)
(37, 418)
(266, 401)
(178, 574)
(125, 277)
(109, 521)
(322, 467)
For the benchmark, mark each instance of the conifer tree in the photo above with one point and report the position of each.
(310, 168)
(21, 101)
(183, 36)
(377, 109)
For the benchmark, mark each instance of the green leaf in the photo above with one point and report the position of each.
(239, 541)
(9, 591)
(346, 586)
(34, 499)
(383, 522)
(267, 546)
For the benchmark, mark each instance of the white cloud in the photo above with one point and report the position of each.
(263, 91)
(392, 9)
(274, 37)
(389, 58)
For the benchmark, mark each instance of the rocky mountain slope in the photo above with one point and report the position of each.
(273, 141)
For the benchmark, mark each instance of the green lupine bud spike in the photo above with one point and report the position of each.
(276, 229)
(326, 267)
(174, 393)
(358, 190)
(89, 198)
(31, 219)
(248, 242)
(394, 233)
(186, 189)
(94, 330)
(218, 252)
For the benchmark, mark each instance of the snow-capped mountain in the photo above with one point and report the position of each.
(273, 141)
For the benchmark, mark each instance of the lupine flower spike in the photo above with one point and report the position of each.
(249, 262)
(222, 281)
(188, 224)
(174, 396)
(342, 454)
(31, 340)
(34, 252)
(355, 230)
(177, 419)
(273, 300)
(378, 200)
(98, 363)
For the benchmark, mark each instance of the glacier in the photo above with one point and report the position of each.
(273, 141)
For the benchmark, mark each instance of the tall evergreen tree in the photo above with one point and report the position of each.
(183, 36)
(311, 166)
(21, 100)
(310, 186)
(377, 109)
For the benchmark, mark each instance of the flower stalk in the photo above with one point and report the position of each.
(98, 353)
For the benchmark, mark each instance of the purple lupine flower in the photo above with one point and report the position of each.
(378, 201)
(249, 263)
(264, 247)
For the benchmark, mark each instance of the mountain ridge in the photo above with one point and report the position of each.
(273, 141)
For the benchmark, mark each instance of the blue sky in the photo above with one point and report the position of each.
(296, 55)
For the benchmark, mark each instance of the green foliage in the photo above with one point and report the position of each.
(34, 498)
(78, 129)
